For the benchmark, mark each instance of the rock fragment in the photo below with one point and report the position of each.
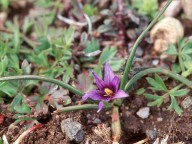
(173, 9)
(187, 102)
(72, 129)
(166, 31)
(143, 112)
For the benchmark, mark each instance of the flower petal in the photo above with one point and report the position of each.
(108, 75)
(115, 83)
(94, 95)
(120, 94)
(100, 83)
(100, 106)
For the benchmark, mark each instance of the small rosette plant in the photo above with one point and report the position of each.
(108, 88)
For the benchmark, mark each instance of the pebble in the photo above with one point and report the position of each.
(139, 52)
(155, 62)
(143, 112)
(151, 134)
(187, 102)
(166, 31)
(159, 119)
(173, 9)
(72, 129)
(97, 121)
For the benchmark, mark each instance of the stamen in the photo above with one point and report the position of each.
(108, 92)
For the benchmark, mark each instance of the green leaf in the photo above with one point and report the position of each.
(151, 96)
(175, 106)
(13, 61)
(157, 102)
(42, 60)
(4, 3)
(116, 64)
(156, 84)
(43, 46)
(176, 68)
(146, 7)
(107, 54)
(23, 109)
(3, 65)
(98, 70)
(90, 9)
(171, 50)
(27, 25)
(68, 74)
(160, 81)
(187, 50)
(91, 46)
(3, 49)
(69, 36)
(1, 141)
(8, 89)
(16, 101)
(180, 92)
(140, 91)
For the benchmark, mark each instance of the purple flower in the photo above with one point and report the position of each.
(108, 89)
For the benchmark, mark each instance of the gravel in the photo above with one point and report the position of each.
(72, 129)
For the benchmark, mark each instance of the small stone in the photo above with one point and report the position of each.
(151, 134)
(166, 31)
(159, 119)
(155, 62)
(139, 52)
(72, 129)
(173, 9)
(97, 121)
(143, 112)
(131, 33)
(187, 102)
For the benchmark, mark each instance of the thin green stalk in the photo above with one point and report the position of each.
(132, 54)
(158, 70)
(77, 107)
(55, 81)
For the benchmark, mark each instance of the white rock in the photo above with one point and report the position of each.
(166, 31)
(173, 9)
(143, 112)
(187, 102)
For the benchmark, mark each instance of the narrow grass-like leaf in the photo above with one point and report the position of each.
(175, 106)
(180, 92)
(157, 102)
(151, 96)
(160, 81)
(155, 84)
(171, 50)
(140, 91)
(107, 54)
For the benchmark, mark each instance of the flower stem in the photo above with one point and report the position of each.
(55, 81)
(132, 54)
(116, 125)
(158, 70)
(77, 107)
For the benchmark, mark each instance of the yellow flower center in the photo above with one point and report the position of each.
(108, 92)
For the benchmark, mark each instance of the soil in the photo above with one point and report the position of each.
(160, 123)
